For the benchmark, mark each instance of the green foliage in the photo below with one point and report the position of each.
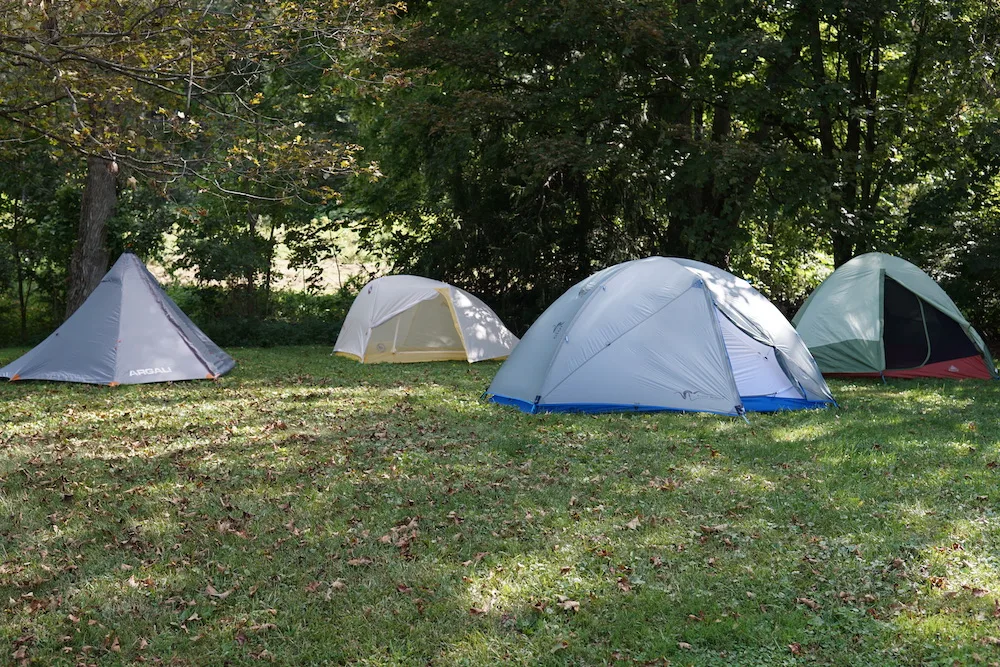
(41, 320)
(540, 141)
(782, 260)
(952, 226)
(178, 90)
(141, 219)
(534, 143)
(38, 199)
(183, 99)
(228, 242)
(293, 318)
(510, 149)
(306, 509)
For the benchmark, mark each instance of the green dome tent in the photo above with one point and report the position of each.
(879, 315)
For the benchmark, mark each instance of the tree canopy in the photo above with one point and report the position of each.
(515, 148)
(207, 95)
(541, 140)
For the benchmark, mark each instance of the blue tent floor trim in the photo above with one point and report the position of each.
(776, 404)
(750, 404)
(593, 408)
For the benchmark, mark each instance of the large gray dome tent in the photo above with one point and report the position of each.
(660, 334)
(128, 331)
(879, 315)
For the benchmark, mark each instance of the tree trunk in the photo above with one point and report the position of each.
(584, 227)
(710, 229)
(16, 244)
(90, 257)
(22, 296)
(250, 274)
(843, 249)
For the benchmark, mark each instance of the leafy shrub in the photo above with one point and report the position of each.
(289, 318)
(42, 320)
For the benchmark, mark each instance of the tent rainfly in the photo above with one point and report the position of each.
(661, 334)
(404, 319)
(128, 331)
(879, 315)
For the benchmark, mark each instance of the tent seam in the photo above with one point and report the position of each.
(118, 329)
(793, 381)
(721, 339)
(454, 320)
(380, 323)
(576, 316)
(368, 331)
(180, 330)
(618, 337)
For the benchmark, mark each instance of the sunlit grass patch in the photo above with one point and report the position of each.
(310, 509)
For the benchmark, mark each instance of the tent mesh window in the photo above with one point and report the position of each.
(916, 333)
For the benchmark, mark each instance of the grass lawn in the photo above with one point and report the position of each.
(307, 509)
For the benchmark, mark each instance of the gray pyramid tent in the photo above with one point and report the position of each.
(128, 331)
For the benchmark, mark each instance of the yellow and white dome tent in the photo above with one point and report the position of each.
(403, 319)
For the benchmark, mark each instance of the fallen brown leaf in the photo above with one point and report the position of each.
(564, 602)
(262, 627)
(708, 530)
(211, 592)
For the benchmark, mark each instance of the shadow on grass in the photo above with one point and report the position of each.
(433, 527)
